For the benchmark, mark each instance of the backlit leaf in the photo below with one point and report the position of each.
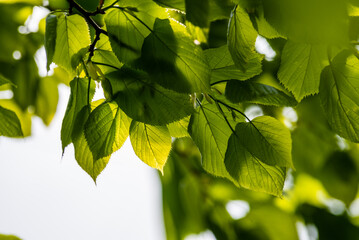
(151, 144)
(10, 124)
(241, 38)
(223, 67)
(106, 129)
(78, 99)
(253, 92)
(147, 102)
(210, 132)
(339, 95)
(173, 60)
(50, 38)
(70, 48)
(301, 66)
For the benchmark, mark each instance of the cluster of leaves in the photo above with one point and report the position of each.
(169, 72)
(32, 94)
(189, 70)
(159, 75)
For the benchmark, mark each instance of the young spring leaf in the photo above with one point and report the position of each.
(258, 93)
(210, 132)
(70, 48)
(106, 129)
(78, 99)
(50, 38)
(339, 95)
(10, 124)
(301, 66)
(223, 67)
(83, 154)
(147, 102)
(151, 144)
(179, 129)
(241, 38)
(173, 60)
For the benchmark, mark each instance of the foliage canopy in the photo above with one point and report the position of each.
(179, 79)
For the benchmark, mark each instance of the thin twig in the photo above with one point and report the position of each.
(86, 15)
(105, 64)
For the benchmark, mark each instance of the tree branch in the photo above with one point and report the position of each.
(87, 16)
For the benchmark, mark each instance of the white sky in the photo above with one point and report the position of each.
(45, 197)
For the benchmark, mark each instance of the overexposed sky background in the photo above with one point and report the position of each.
(44, 196)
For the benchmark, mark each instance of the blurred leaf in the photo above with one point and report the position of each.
(151, 144)
(106, 130)
(8, 237)
(276, 223)
(23, 116)
(340, 177)
(10, 124)
(50, 38)
(319, 21)
(339, 95)
(46, 99)
(4, 80)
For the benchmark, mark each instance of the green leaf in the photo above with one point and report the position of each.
(241, 38)
(23, 116)
(340, 177)
(106, 57)
(223, 67)
(83, 154)
(339, 95)
(50, 38)
(151, 144)
(78, 99)
(127, 28)
(253, 92)
(210, 132)
(250, 172)
(173, 60)
(177, 4)
(179, 128)
(46, 100)
(147, 102)
(70, 48)
(301, 66)
(266, 139)
(8, 237)
(106, 129)
(197, 12)
(10, 124)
